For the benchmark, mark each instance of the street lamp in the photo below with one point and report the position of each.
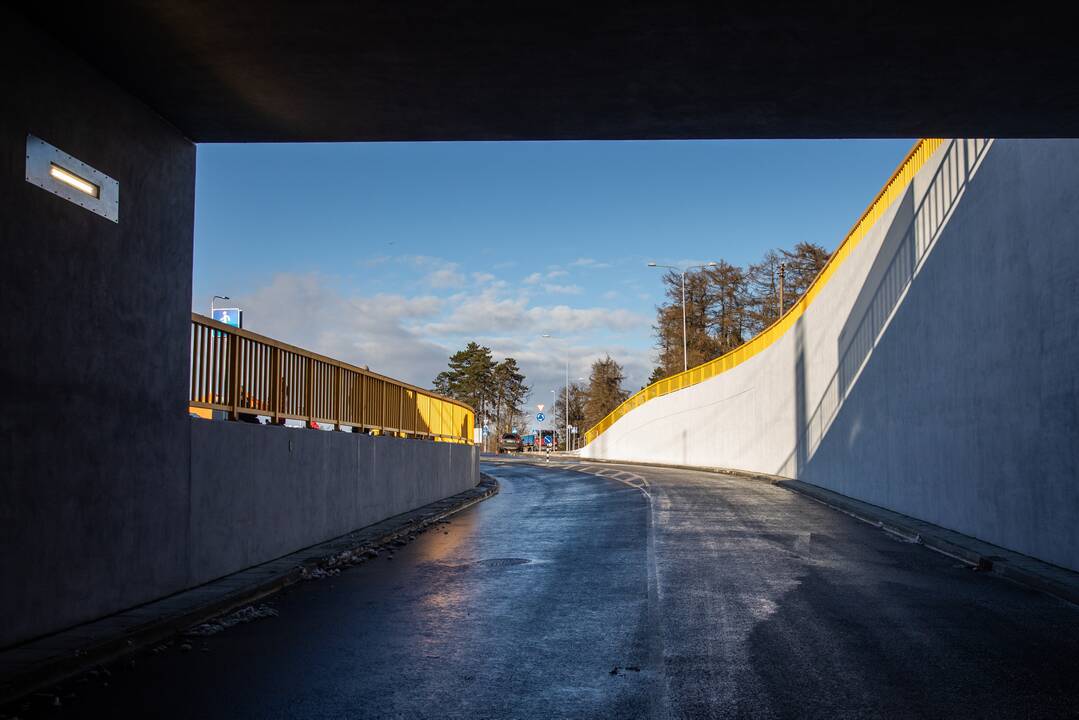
(685, 355)
(217, 297)
(577, 430)
(565, 438)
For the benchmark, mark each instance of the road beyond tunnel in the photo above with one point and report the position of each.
(644, 593)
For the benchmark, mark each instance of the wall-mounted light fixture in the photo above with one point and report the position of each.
(61, 174)
(70, 178)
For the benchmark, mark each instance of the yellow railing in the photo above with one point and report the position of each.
(892, 190)
(245, 374)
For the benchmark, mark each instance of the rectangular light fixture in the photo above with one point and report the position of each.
(70, 178)
(67, 177)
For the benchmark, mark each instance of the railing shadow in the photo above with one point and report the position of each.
(859, 338)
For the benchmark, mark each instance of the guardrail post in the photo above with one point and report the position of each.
(337, 397)
(362, 419)
(234, 376)
(275, 390)
(309, 387)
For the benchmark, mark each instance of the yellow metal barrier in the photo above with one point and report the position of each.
(247, 374)
(891, 191)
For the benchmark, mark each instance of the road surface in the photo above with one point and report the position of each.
(649, 593)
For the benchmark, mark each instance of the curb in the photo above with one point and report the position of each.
(49, 660)
(1021, 569)
(983, 556)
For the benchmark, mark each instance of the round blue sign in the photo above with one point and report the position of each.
(540, 417)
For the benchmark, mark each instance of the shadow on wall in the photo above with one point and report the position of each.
(882, 293)
(800, 400)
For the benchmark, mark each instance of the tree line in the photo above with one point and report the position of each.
(727, 305)
(497, 391)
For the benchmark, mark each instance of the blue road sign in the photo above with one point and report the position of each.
(229, 316)
(540, 417)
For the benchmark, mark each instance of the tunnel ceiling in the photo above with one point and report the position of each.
(291, 71)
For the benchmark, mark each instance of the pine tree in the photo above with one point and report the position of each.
(509, 392)
(605, 391)
(727, 306)
(469, 379)
(577, 398)
(763, 292)
(802, 264)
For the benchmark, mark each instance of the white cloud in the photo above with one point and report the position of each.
(411, 337)
(445, 277)
(556, 274)
(533, 278)
(488, 313)
(589, 263)
(305, 310)
(563, 289)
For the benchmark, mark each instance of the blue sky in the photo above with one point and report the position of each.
(394, 255)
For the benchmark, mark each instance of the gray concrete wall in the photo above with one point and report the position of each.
(937, 374)
(966, 413)
(260, 492)
(101, 507)
(94, 318)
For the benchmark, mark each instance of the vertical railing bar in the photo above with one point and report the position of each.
(275, 389)
(309, 396)
(193, 351)
(207, 370)
(363, 401)
(234, 373)
(194, 362)
(337, 397)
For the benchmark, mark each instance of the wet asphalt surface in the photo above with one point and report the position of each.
(649, 593)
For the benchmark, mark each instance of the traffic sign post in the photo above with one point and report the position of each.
(540, 417)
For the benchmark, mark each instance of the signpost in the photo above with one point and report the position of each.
(540, 417)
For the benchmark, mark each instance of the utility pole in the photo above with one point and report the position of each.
(782, 277)
(565, 438)
(685, 351)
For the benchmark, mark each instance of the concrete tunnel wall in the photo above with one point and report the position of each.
(259, 492)
(936, 374)
(110, 495)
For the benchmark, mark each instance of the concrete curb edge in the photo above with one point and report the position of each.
(33, 676)
(1022, 569)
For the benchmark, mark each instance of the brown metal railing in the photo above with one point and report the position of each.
(243, 373)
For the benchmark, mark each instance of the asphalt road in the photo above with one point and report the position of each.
(647, 593)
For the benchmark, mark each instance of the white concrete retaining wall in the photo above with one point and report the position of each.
(937, 374)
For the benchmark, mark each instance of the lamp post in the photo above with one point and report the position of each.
(685, 354)
(565, 438)
(217, 297)
(577, 429)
